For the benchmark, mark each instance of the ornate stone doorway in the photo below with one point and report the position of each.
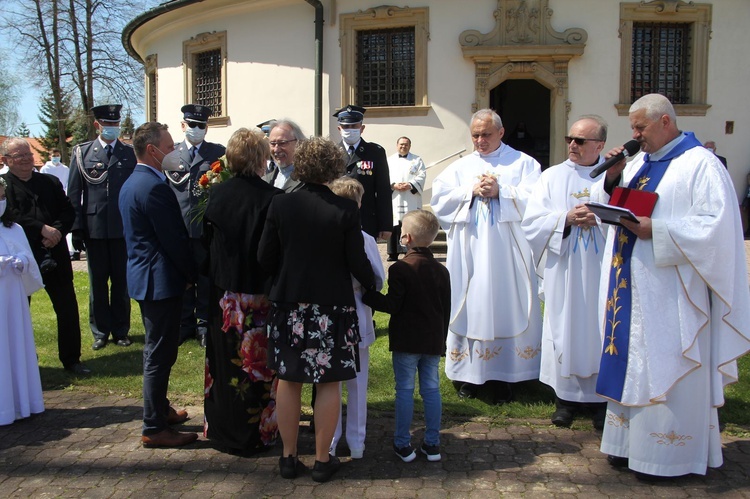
(524, 46)
(524, 106)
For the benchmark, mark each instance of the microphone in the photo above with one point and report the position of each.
(631, 147)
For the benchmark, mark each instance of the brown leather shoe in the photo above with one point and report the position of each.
(168, 438)
(176, 417)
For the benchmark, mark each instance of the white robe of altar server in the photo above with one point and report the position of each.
(690, 319)
(410, 169)
(571, 269)
(495, 328)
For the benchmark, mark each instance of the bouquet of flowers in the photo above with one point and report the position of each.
(217, 174)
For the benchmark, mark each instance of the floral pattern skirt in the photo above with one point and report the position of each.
(311, 343)
(240, 388)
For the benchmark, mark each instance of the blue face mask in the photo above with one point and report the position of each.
(110, 132)
(55, 160)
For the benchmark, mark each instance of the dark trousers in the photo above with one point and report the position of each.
(109, 302)
(392, 247)
(161, 321)
(59, 287)
(195, 300)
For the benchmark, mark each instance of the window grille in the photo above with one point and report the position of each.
(207, 79)
(386, 67)
(661, 61)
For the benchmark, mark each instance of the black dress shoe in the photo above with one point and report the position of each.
(79, 369)
(74, 257)
(562, 417)
(322, 472)
(467, 391)
(392, 258)
(99, 344)
(291, 467)
(617, 461)
(123, 342)
(503, 393)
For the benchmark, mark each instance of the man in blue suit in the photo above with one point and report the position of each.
(159, 269)
(196, 156)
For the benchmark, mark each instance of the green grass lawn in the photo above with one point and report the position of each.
(118, 371)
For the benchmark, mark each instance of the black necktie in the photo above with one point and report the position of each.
(192, 153)
(109, 152)
(351, 151)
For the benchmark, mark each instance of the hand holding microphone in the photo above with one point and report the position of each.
(631, 147)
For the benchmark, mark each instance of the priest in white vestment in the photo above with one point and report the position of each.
(407, 173)
(495, 329)
(568, 247)
(675, 301)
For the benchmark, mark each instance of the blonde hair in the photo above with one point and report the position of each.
(247, 152)
(422, 225)
(349, 188)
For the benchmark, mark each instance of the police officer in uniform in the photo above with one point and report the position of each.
(367, 163)
(97, 171)
(196, 156)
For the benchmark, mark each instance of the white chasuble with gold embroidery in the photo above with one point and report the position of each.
(495, 328)
(690, 319)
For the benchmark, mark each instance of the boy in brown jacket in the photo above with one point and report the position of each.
(418, 300)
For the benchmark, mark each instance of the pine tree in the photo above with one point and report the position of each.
(51, 138)
(22, 130)
(127, 128)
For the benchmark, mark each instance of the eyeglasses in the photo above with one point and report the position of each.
(281, 143)
(580, 141)
(193, 124)
(25, 155)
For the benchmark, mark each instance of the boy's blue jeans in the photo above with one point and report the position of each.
(405, 367)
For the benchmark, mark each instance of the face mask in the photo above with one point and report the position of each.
(195, 135)
(350, 135)
(2, 206)
(161, 161)
(55, 160)
(110, 132)
(710, 149)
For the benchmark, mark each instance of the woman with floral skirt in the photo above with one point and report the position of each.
(240, 389)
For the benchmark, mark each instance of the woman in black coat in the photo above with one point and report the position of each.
(239, 387)
(312, 244)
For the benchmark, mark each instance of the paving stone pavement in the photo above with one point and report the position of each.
(89, 446)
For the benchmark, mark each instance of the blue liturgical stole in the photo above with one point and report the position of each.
(614, 363)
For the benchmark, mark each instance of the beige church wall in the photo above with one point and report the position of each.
(272, 55)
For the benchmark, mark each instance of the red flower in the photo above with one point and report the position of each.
(216, 167)
(254, 355)
(203, 182)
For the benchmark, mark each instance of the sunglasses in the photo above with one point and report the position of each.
(579, 141)
(193, 124)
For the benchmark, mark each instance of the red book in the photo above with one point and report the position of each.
(641, 203)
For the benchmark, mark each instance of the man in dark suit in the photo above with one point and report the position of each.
(711, 146)
(284, 137)
(367, 163)
(97, 171)
(40, 206)
(196, 157)
(159, 268)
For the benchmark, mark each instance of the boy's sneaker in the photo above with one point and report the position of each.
(431, 451)
(406, 454)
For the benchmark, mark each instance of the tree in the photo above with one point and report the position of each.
(126, 126)
(9, 98)
(22, 131)
(51, 120)
(69, 46)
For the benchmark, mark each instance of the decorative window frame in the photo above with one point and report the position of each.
(668, 11)
(385, 17)
(152, 85)
(204, 42)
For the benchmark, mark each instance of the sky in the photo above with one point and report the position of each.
(28, 109)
